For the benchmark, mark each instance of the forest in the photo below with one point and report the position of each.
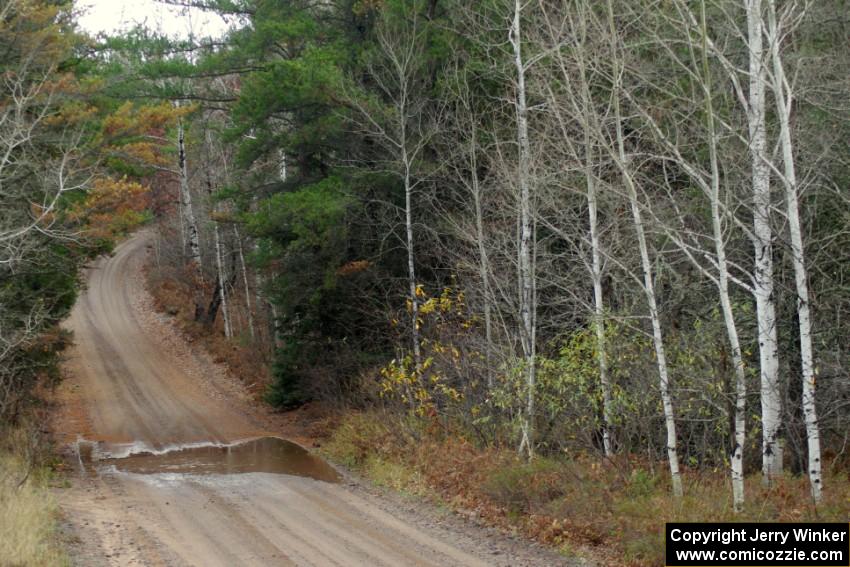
(606, 240)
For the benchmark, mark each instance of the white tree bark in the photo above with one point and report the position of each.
(222, 282)
(784, 100)
(585, 115)
(771, 400)
(595, 248)
(526, 262)
(599, 307)
(245, 284)
(737, 456)
(189, 223)
(648, 286)
(722, 280)
(411, 258)
(404, 135)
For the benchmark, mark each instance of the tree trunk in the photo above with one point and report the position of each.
(247, 287)
(771, 401)
(406, 162)
(649, 286)
(595, 251)
(526, 263)
(212, 310)
(189, 223)
(483, 261)
(784, 100)
(411, 266)
(599, 312)
(739, 421)
(222, 286)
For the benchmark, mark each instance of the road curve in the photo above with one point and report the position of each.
(141, 394)
(136, 390)
(135, 386)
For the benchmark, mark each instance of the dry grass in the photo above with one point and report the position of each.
(28, 512)
(613, 511)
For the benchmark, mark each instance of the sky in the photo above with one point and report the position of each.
(114, 16)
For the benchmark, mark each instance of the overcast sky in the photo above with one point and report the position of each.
(113, 16)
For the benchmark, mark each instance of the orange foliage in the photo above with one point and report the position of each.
(137, 133)
(112, 207)
(137, 120)
(353, 267)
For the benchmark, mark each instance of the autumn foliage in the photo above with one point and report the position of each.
(112, 207)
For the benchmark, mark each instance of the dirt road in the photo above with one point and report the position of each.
(134, 386)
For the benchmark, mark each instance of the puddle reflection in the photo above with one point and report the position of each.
(267, 455)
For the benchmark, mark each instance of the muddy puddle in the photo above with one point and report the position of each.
(265, 455)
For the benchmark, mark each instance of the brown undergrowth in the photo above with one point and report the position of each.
(613, 512)
(177, 299)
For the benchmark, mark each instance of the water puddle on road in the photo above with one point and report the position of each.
(265, 455)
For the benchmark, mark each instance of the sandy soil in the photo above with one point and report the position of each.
(134, 383)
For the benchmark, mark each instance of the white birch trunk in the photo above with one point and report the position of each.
(189, 223)
(783, 95)
(222, 283)
(599, 310)
(596, 255)
(649, 286)
(771, 401)
(245, 281)
(657, 334)
(411, 265)
(182, 220)
(526, 269)
(587, 120)
(406, 157)
(737, 455)
(596, 276)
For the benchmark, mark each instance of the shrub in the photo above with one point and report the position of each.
(28, 512)
(526, 487)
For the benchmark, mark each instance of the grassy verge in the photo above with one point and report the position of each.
(614, 511)
(28, 512)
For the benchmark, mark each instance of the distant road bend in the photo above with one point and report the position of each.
(137, 389)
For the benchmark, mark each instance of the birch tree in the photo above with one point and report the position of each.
(763, 278)
(221, 282)
(526, 262)
(576, 105)
(622, 162)
(247, 288)
(697, 68)
(717, 216)
(189, 223)
(400, 124)
(783, 94)
(464, 158)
